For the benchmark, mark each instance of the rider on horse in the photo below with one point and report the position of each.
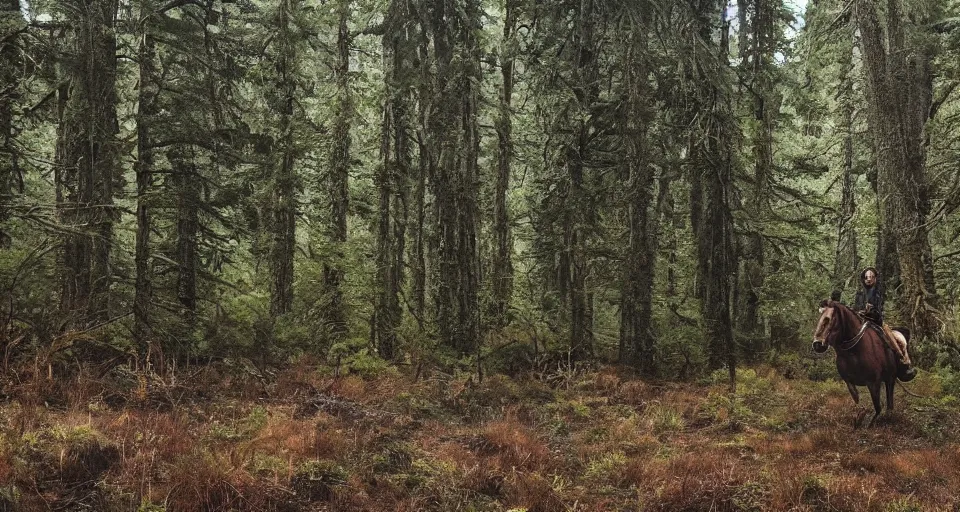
(869, 304)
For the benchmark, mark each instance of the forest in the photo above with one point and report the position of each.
(472, 254)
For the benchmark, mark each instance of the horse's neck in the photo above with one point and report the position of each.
(851, 324)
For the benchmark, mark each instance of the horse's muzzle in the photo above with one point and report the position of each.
(819, 346)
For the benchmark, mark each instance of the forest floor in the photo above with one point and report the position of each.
(220, 439)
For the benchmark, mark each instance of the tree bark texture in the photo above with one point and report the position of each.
(420, 248)
(11, 21)
(340, 178)
(847, 260)
(87, 162)
(577, 208)
(284, 198)
(146, 114)
(393, 176)
(636, 296)
(712, 187)
(501, 273)
(188, 190)
(454, 177)
(765, 106)
(899, 78)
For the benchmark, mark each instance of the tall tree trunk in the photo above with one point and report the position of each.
(387, 311)
(418, 260)
(188, 188)
(899, 78)
(393, 176)
(284, 199)
(501, 273)
(847, 260)
(578, 205)
(454, 178)
(637, 290)
(11, 21)
(765, 106)
(467, 190)
(339, 177)
(713, 175)
(146, 114)
(87, 163)
(420, 247)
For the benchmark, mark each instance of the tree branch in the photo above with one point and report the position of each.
(935, 106)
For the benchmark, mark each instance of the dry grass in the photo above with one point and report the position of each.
(594, 441)
(516, 445)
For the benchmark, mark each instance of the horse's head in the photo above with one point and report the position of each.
(824, 334)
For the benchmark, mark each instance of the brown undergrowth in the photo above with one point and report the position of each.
(219, 439)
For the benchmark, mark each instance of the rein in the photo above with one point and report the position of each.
(852, 342)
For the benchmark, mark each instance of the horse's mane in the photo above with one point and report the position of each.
(843, 307)
(840, 306)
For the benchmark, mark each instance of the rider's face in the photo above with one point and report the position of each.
(869, 278)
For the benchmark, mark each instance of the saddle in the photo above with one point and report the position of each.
(904, 373)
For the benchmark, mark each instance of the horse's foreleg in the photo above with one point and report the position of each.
(875, 396)
(856, 399)
(854, 393)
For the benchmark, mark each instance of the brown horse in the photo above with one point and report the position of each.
(863, 358)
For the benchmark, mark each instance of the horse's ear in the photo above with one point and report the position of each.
(824, 303)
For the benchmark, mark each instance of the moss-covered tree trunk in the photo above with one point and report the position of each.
(637, 290)
(712, 183)
(766, 103)
(283, 198)
(11, 22)
(146, 114)
(87, 162)
(455, 138)
(579, 208)
(900, 82)
(187, 186)
(393, 176)
(333, 271)
(847, 259)
(501, 270)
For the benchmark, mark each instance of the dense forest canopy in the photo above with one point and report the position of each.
(488, 185)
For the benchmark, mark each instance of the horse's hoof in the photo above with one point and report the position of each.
(907, 374)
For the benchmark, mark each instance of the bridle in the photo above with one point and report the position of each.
(854, 341)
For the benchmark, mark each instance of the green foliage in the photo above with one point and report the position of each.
(793, 365)
(906, 504)
(664, 419)
(815, 491)
(607, 469)
(243, 429)
(9, 496)
(351, 358)
(948, 379)
(74, 436)
(147, 506)
(317, 480)
(222, 110)
(28, 281)
(241, 326)
(750, 497)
